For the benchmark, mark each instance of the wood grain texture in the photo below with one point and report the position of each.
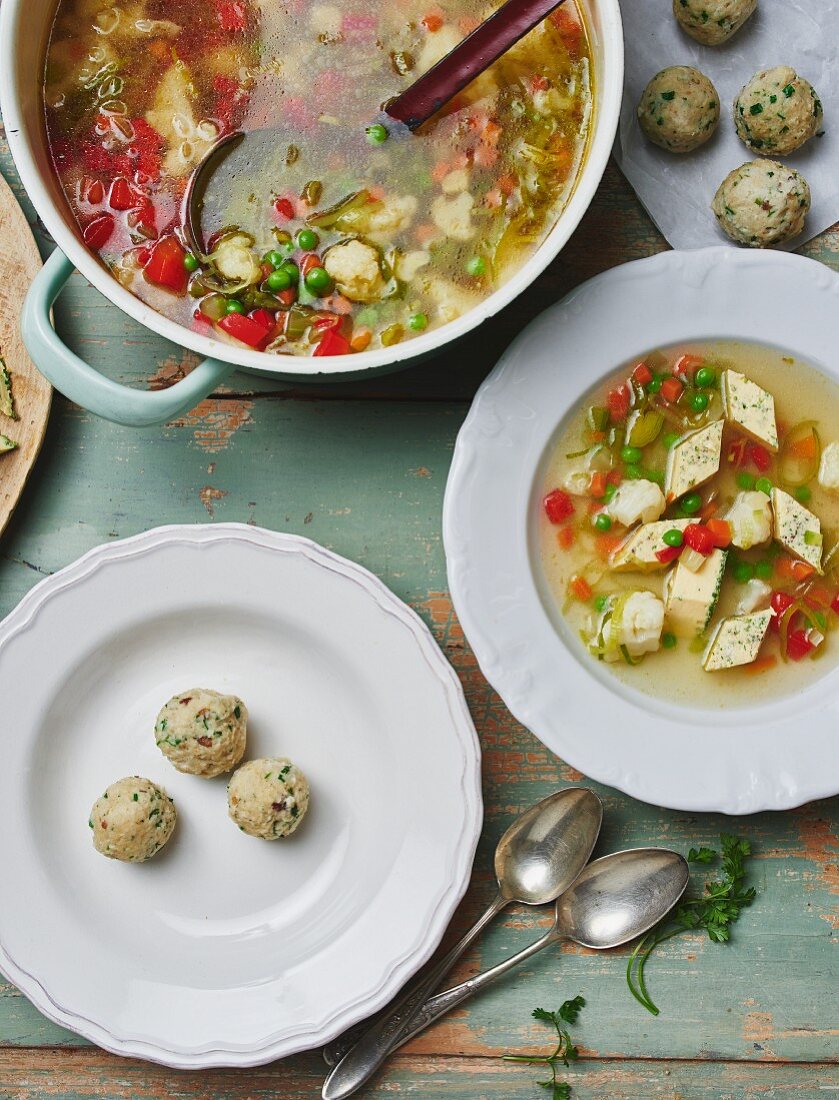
(362, 469)
(19, 263)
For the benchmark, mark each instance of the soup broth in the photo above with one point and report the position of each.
(324, 234)
(590, 566)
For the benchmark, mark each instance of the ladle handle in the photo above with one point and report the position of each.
(467, 60)
(390, 1030)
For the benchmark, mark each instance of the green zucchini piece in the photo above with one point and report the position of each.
(6, 444)
(7, 401)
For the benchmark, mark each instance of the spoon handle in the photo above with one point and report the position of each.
(467, 60)
(358, 1058)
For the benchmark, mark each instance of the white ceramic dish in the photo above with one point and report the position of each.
(226, 950)
(24, 25)
(740, 761)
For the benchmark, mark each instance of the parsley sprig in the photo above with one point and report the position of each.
(715, 911)
(565, 1052)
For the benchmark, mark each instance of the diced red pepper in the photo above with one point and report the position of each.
(284, 207)
(244, 328)
(834, 607)
(687, 365)
(737, 452)
(759, 457)
(121, 196)
(287, 297)
(332, 343)
(780, 603)
(165, 265)
(671, 390)
(798, 645)
(642, 374)
(618, 402)
(698, 537)
(570, 30)
(263, 317)
(97, 233)
(232, 15)
(614, 477)
(668, 554)
(91, 191)
(558, 506)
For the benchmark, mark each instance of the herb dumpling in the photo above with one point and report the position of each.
(679, 109)
(132, 820)
(635, 501)
(268, 798)
(630, 627)
(202, 732)
(712, 22)
(777, 111)
(762, 203)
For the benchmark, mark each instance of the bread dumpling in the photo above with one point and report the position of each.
(679, 109)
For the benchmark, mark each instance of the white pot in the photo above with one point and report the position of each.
(24, 25)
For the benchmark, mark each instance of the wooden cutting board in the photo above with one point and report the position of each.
(19, 263)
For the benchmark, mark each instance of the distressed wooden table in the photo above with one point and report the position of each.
(362, 469)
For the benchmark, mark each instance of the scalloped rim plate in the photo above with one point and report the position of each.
(225, 950)
(735, 761)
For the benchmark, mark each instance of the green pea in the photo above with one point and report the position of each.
(670, 439)
(705, 377)
(803, 493)
(764, 570)
(633, 473)
(274, 258)
(764, 485)
(744, 571)
(292, 269)
(278, 280)
(376, 134)
(669, 641)
(631, 455)
(673, 538)
(601, 603)
(602, 522)
(307, 239)
(417, 321)
(190, 262)
(744, 480)
(232, 306)
(610, 492)
(476, 266)
(699, 402)
(654, 475)
(654, 386)
(691, 504)
(318, 280)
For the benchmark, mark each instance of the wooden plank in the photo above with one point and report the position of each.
(91, 1075)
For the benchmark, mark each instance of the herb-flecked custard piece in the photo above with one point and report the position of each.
(679, 109)
(268, 798)
(202, 732)
(712, 22)
(777, 111)
(132, 820)
(762, 203)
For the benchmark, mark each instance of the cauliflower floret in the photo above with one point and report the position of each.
(436, 45)
(455, 181)
(829, 467)
(393, 215)
(755, 597)
(172, 116)
(236, 260)
(409, 263)
(355, 268)
(454, 216)
(452, 300)
(637, 500)
(635, 625)
(750, 517)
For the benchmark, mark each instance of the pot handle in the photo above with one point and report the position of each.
(79, 382)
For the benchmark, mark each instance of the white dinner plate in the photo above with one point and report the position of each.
(763, 756)
(227, 950)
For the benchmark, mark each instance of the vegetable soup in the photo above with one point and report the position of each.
(325, 234)
(690, 521)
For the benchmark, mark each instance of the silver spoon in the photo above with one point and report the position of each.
(614, 899)
(407, 111)
(537, 858)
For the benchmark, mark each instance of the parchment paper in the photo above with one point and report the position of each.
(677, 189)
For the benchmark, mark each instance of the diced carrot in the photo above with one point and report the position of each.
(539, 83)
(485, 156)
(376, 192)
(491, 132)
(642, 374)
(598, 437)
(425, 232)
(433, 20)
(803, 448)
(818, 596)
(721, 530)
(467, 23)
(762, 664)
(709, 510)
(581, 589)
(597, 485)
(570, 30)
(440, 170)
(614, 477)
(672, 389)
(493, 198)
(565, 537)
(687, 364)
(792, 570)
(361, 339)
(594, 506)
(605, 544)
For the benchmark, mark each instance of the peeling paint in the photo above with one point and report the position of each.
(208, 497)
(174, 369)
(214, 422)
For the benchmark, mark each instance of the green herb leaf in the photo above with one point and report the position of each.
(565, 1052)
